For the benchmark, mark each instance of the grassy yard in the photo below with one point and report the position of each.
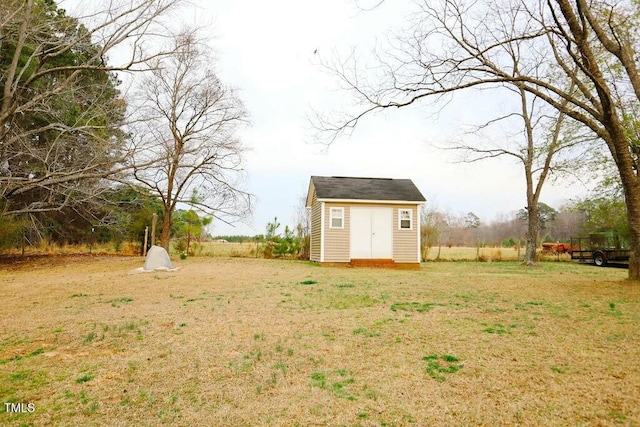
(231, 341)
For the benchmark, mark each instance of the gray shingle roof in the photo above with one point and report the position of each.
(340, 187)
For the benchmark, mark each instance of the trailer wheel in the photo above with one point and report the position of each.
(599, 259)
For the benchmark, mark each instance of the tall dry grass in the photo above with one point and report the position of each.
(231, 249)
(484, 254)
(45, 248)
(255, 250)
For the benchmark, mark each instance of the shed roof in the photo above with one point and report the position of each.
(354, 188)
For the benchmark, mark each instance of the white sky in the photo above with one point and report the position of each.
(266, 50)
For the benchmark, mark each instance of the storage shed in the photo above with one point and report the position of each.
(365, 221)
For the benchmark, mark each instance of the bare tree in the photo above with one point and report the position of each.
(455, 46)
(186, 149)
(302, 221)
(568, 223)
(60, 113)
(542, 143)
(436, 229)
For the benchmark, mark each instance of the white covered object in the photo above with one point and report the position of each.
(157, 259)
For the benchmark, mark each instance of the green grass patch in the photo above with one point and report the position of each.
(366, 333)
(439, 366)
(319, 379)
(345, 285)
(118, 301)
(281, 366)
(499, 328)
(420, 307)
(613, 310)
(19, 376)
(36, 352)
(90, 337)
(308, 282)
(105, 331)
(329, 335)
(335, 382)
(78, 295)
(85, 378)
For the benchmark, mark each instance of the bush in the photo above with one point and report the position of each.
(509, 243)
(180, 245)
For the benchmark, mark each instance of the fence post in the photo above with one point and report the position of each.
(146, 236)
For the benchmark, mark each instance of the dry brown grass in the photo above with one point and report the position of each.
(263, 342)
(210, 249)
(248, 249)
(487, 254)
(231, 249)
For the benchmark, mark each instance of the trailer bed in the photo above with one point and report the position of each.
(598, 249)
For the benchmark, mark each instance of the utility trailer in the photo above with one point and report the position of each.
(600, 248)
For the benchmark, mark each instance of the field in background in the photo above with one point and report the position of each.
(248, 250)
(455, 253)
(231, 249)
(230, 341)
(209, 249)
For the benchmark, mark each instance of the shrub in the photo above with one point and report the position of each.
(180, 245)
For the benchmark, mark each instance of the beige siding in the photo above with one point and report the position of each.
(405, 242)
(316, 232)
(336, 240)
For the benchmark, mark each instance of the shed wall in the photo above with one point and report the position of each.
(316, 232)
(337, 244)
(405, 242)
(336, 240)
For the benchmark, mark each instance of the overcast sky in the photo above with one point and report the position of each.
(266, 49)
(269, 51)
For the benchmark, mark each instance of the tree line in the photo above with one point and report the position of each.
(574, 219)
(84, 156)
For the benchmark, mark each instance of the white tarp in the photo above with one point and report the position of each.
(157, 259)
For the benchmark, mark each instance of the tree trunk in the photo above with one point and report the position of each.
(633, 217)
(532, 235)
(166, 230)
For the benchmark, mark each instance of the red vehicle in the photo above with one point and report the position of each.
(556, 248)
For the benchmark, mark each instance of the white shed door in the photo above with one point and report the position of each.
(371, 233)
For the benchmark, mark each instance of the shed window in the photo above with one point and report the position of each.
(336, 218)
(405, 219)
